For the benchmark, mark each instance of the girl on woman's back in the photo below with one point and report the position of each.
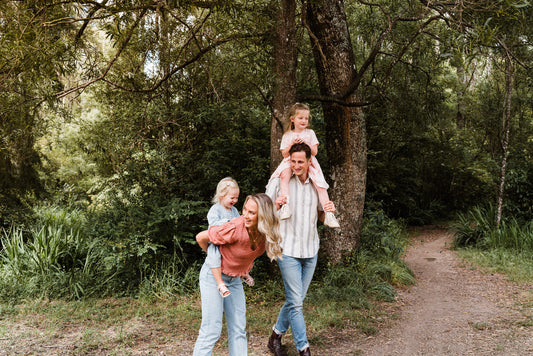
(222, 211)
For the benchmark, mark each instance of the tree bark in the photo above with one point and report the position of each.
(345, 126)
(460, 119)
(461, 73)
(285, 64)
(506, 123)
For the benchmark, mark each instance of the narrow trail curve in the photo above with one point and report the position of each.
(452, 310)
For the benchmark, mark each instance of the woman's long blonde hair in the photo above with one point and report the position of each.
(289, 125)
(267, 224)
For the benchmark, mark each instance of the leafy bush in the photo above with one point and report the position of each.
(373, 269)
(473, 226)
(65, 255)
(382, 236)
(477, 228)
(53, 259)
(140, 230)
(519, 192)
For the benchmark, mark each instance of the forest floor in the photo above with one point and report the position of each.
(454, 309)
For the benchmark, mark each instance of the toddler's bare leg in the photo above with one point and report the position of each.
(222, 288)
(323, 196)
(285, 176)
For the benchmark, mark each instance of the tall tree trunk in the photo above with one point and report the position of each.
(460, 119)
(506, 123)
(461, 73)
(285, 64)
(345, 126)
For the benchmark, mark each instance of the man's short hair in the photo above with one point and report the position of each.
(301, 147)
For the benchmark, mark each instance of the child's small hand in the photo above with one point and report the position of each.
(281, 200)
(297, 140)
(329, 207)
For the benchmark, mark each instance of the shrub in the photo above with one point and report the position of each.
(372, 270)
(54, 258)
(141, 230)
(473, 226)
(519, 192)
(477, 228)
(381, 236)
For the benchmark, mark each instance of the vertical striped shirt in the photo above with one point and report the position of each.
(299, 232)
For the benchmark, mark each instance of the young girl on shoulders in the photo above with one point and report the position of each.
(222, 211)
(298, 131)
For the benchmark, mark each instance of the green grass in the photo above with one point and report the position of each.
(102, 326)
(477, 228)
(507, 248)
(342, 297)
(118, 326)
(518, 266)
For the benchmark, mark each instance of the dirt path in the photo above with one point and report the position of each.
(453, 309)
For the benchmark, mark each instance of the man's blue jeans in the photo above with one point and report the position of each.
(297, 274)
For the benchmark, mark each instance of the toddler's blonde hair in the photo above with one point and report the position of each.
(223, 188)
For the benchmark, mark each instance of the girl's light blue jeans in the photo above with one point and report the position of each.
(214, 257)
(213, 308)
(297, 274)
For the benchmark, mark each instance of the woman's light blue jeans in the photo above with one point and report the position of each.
(297, 274)
(213, 308)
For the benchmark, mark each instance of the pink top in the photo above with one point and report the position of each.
(309, 137)
(234, 245)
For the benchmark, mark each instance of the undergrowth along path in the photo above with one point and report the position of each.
(454, 309)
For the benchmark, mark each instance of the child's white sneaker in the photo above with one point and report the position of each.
(331, 221)
(284, 212)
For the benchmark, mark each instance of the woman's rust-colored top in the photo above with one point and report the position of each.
(234, 244)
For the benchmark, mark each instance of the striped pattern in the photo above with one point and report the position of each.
(299, 232)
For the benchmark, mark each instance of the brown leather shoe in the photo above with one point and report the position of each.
(274, 345)
(306, 352)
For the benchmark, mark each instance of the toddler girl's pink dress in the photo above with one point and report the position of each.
(315, 172)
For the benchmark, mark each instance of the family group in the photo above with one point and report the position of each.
(283, 222)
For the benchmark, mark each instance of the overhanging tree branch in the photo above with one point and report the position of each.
(329, 99)
(86, 22)
(64, 93)
(375, 51)
(407, 45)
(193, 59)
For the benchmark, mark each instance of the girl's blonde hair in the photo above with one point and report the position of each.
(223, 188)
(289, 125)
(267, 224)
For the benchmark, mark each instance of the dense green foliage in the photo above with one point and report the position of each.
(423, 166)
(477, 228)
(63, 257)
(507, 248)
(168, 100)
(373, 270)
